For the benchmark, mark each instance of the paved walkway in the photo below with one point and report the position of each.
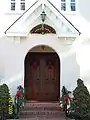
(38, 118)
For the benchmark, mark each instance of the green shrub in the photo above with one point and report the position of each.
(5, 101)
(81, 101)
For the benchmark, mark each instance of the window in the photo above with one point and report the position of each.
(22, 4)
(73, 5)
(12, 4)
(63, 5)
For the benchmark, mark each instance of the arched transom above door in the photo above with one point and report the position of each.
(43, 29)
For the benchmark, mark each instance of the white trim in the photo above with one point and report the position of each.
(19, 28)
(67, 35)
(16, 34)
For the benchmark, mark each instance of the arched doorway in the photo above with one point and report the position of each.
(42, 74)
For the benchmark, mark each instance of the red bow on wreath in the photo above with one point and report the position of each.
(49, 66)
(18, 94)
(66, 97)
(34, 65)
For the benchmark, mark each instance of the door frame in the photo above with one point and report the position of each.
(58, 63)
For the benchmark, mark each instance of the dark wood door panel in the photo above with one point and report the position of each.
(42, 75)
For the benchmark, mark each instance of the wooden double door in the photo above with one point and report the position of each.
(42, 77)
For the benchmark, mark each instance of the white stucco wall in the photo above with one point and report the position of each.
(82, 48)
(84, 8)
(13, 53)
(74, 59)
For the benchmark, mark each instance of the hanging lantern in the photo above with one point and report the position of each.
(43, 16)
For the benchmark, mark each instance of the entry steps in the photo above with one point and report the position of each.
(42, 110)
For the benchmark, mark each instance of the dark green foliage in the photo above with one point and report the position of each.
(4, 100)
(18, 101)
(64, 91)
(81, 101)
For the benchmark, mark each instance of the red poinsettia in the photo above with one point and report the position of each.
(66, 97)
(18, 94)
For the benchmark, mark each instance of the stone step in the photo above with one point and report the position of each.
(42, 114)
(41, 110)
(48, 105)
(48, 113)
(42, 104)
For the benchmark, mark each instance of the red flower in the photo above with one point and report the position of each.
(18, 94)
(66, 99)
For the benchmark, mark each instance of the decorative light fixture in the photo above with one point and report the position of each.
(43, 15)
